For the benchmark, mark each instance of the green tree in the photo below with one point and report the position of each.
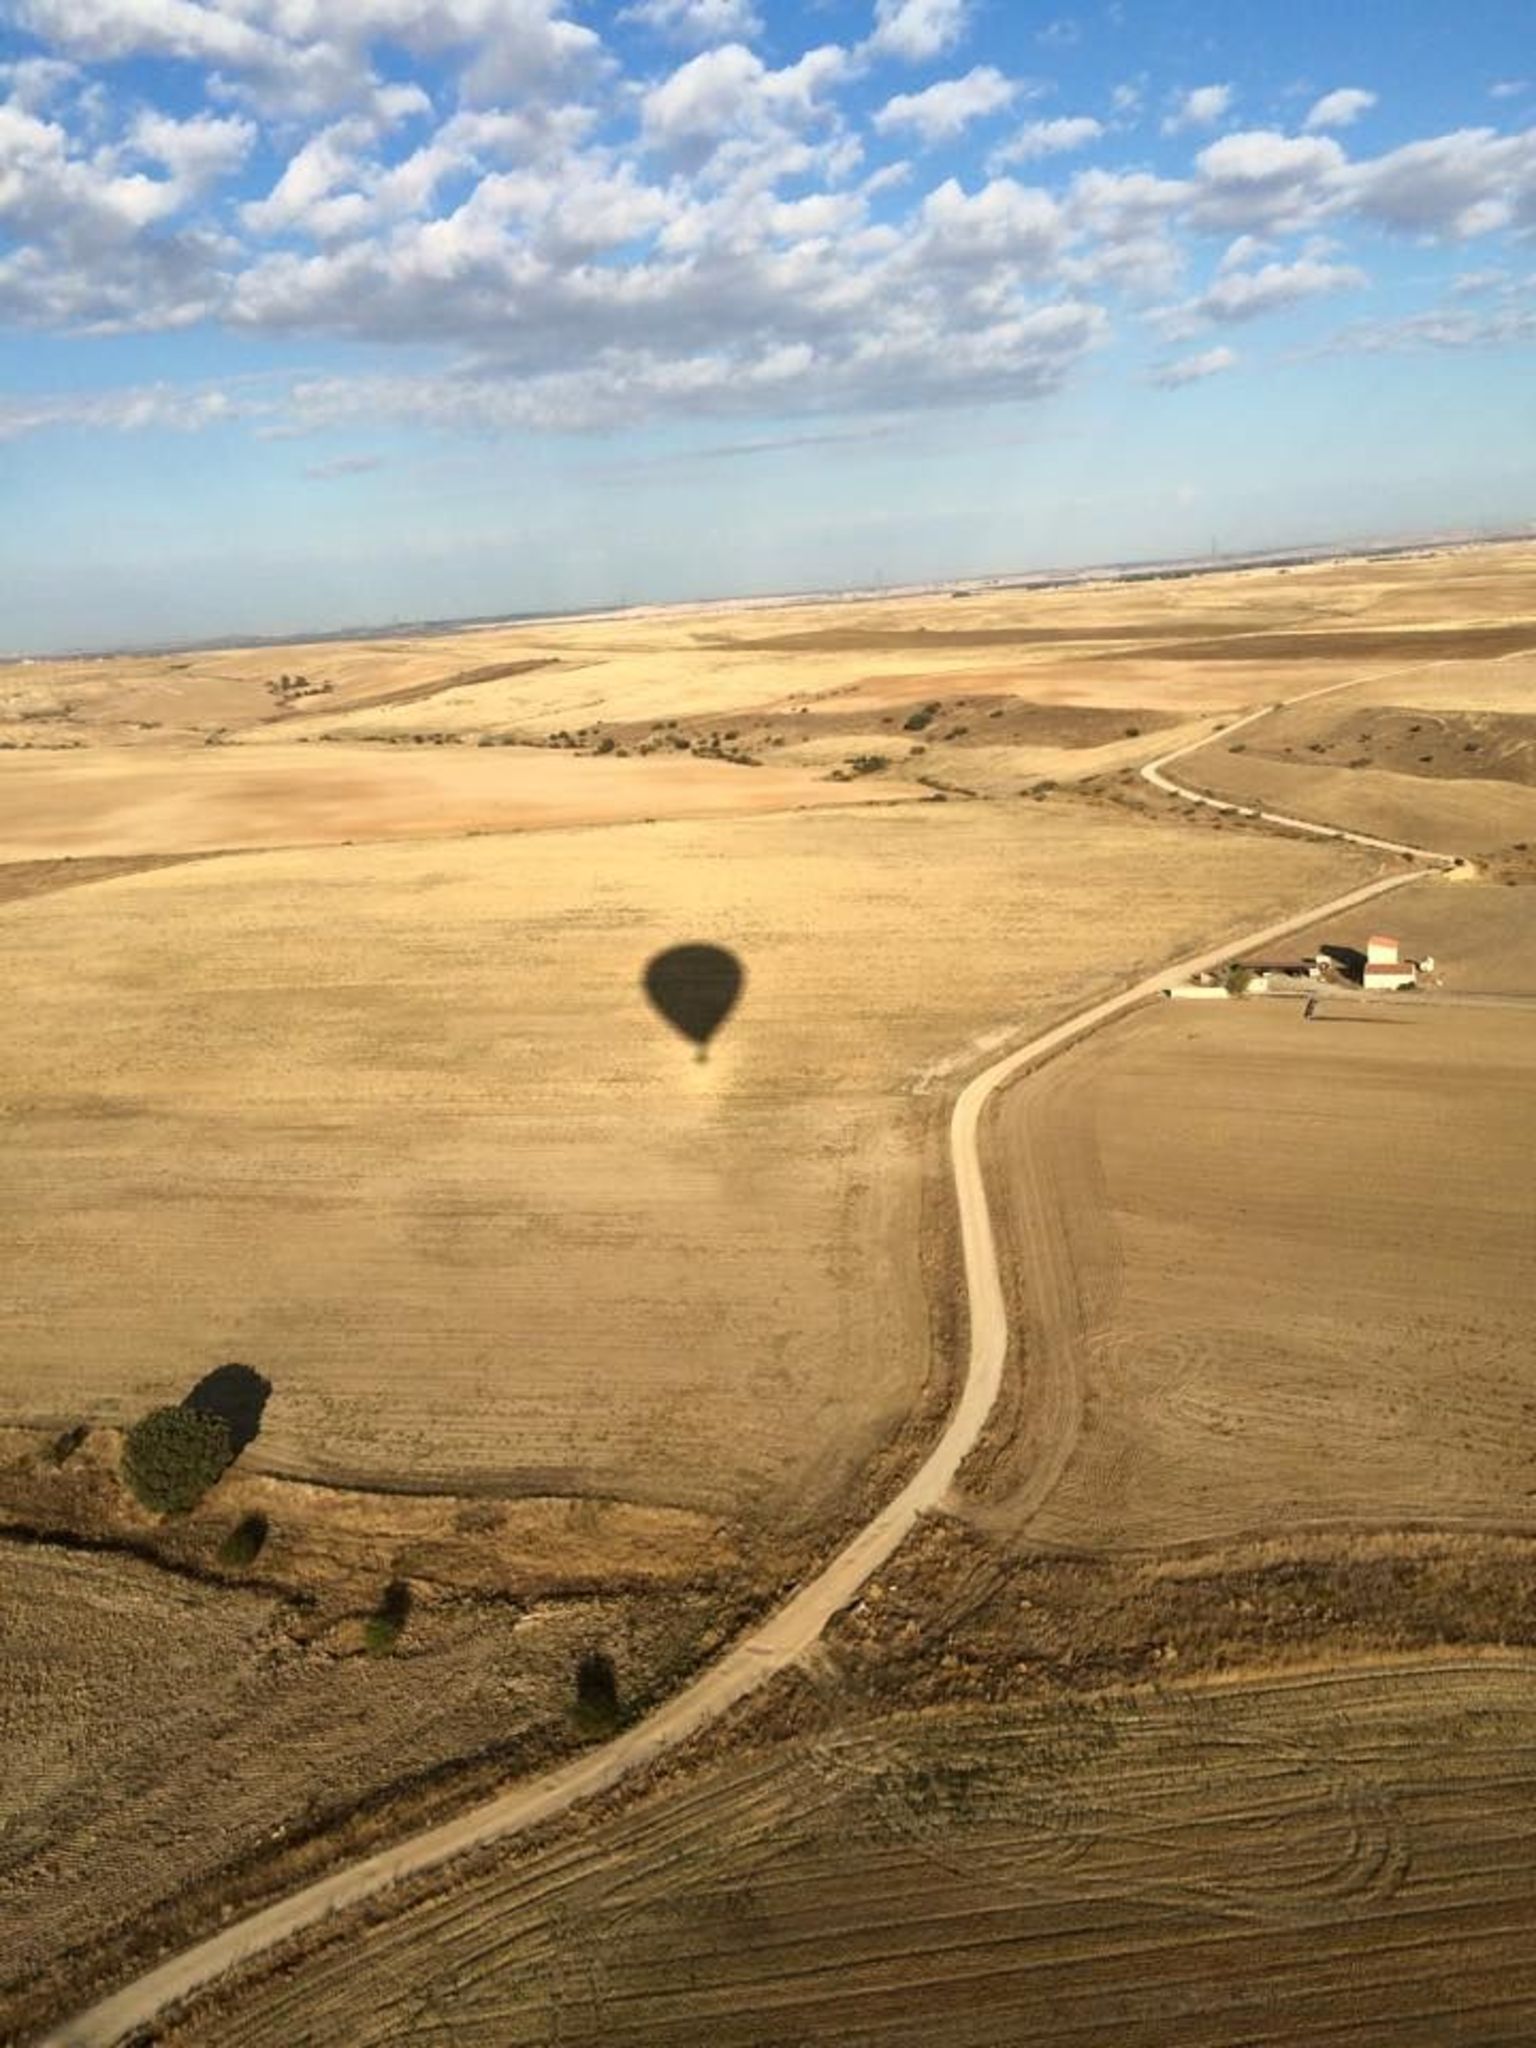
(173, 1455)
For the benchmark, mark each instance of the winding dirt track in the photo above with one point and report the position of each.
(789, 1632)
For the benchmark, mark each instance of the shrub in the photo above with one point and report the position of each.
(383, 1629)
(915, 721)
(173, 1456)
(245, 1542)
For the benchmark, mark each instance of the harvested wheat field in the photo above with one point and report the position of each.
(398, 1128)
(1273, 1273)
(1342, 1858)
(101, 802)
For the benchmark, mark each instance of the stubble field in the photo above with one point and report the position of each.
(1273, 1272)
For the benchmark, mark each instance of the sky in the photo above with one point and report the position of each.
(316, 312)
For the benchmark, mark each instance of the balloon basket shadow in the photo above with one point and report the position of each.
(701, 1057)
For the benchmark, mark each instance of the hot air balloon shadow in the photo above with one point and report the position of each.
(695, 988)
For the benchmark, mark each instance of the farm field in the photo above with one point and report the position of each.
(99, 802)
(398, 1129)
(1340, 1857)
(1274, 1273)
(327, 1051)
(1443, 755)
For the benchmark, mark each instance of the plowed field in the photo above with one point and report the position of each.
(1342, 1858)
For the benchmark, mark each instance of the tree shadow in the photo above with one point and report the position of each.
(597, 1694)
(237, 1395)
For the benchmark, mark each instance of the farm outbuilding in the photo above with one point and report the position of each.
(1389, 974)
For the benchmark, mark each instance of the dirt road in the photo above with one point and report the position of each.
(770, 1648)
(1153, 773)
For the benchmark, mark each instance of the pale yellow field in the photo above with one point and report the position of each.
(1271, 1273)
(134, 801)
(396, 1126)
(1342, 1859)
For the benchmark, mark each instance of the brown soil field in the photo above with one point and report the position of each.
(1273, 1273)
(167, 1742)
(1327, 1857)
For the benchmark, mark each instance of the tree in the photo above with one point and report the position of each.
(1236, 978)
(173, 1455)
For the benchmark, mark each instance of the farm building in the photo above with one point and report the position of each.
(1389, 974)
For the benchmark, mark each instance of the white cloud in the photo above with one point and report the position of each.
(1260, 181)
(1125, 218)
(145, 408)
(198, 152)
(1238, 295)
(1194, 369)
(304, 57)
(1508, 88)
(586, 250)
(941, 111)
(1508, 326)
(729, 94)
(918, 29)
(1202, 108)
(342, 465)
(1473, 284)
(1004, 220)
(1049, 138)
(698, 21)
(1467, 183)
(1340, 109)
(34, 83)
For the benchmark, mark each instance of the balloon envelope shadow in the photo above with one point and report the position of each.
(237, 1394)
(695, 988)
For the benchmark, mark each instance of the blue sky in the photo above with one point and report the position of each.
(320, 311)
